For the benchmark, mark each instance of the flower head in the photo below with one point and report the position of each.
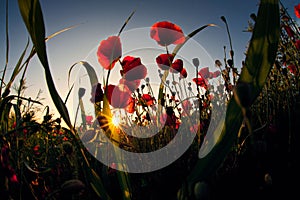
(109, 52)
(133, 69)
(202, 82)
(183, 73)
(118, 96)
(204, 72)
(297, 10)
(166, 33)
(176, 66)
(164, 61)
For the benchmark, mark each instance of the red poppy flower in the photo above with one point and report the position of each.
(132, 85)
(118, 96)
(166, 33)
(89, 119)
(214, 74)
(164, 61)
(176, 66)
(131, 105)
(292, 69)
(133, 69)
(109, 52)
(183, 73)
(13, 178)
(204, 72)
(297, 10)
(36, 150)
(14, 125)
(36, 147)
(148, 99)
(201, 82)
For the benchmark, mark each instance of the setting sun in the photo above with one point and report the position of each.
(116, 120)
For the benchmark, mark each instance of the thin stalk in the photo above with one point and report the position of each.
(7, 48)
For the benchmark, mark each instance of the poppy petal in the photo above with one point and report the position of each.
(177, 66)
(164, 61)
(109, 52)
(118, 96)
(297, 10)
(166, 33)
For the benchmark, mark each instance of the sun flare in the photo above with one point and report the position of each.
(116, 120)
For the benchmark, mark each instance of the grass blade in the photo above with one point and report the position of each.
(33, 19)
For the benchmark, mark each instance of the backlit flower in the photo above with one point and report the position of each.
(214, 74)
(176, 66)
(89, 119)
(297, 10)
(109, 52)
(131, 85)
(148, 99)
(183, 73)
(166, 33)
(131, 105)
(118, 96)
(292, 69)
(164, 61)
(133, 69)
(204, 72)
(202, 82)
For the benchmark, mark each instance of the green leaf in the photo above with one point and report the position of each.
(260, 59)
(33, 19)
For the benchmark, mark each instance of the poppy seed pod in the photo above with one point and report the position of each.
(223, 19)
(196, 62)
(81, 92)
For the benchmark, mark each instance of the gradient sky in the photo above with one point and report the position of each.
(100, 19)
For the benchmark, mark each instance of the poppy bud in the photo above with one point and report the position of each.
(81, 92)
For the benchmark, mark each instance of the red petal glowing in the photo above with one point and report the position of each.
(132, 85)
(297, 10)
(164, 61)
(166, 33)
(177, 66)
(183, 73)
(109, 52)
(204, 72)
(133, 69)
(118, 96)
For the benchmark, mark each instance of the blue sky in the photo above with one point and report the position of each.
(100, 19)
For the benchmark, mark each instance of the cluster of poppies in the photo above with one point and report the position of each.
(133, 70)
